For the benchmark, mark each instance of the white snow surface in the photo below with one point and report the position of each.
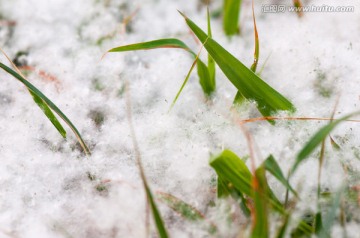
(45, 186)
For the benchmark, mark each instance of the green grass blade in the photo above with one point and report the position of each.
(39, 94)
(156, 214)
(330, 217)
(317, 139)
(205, 79)
(48, 113)
(239, 98)
(282, 229)
(211, 62)
(180, 207)
(231, 169)
(155, 44)
(260, 227)
(257, 43)
(249, 84)
(273, 167)
(184, 83)
(231, 16)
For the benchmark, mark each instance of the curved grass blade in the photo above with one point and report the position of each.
(203, 73)
(231, 169)
(48, 113)
(317, 139)
(231, 16)
(273, 167)
(249, 84)
(155, 44)
(234, 174)
(49, 103)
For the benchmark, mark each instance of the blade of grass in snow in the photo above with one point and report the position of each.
(249, 84)
(43, 106)
(211, 62)
(282, 229)
(273, 167)
(49, 103)
(257, 43)
(48, 113)
(231, 16)
(316, 140)
(260, 227)
(184, 209)
(179, 206)
(239, 98)
(156, 214)
(201, 72)
(231, 169)
(205, 80)
(234, 172)
(330, 216)
(156, 44)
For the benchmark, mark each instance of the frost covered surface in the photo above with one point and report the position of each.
(50, 189)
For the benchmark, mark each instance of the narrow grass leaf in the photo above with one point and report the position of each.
(239, 98)
(273, 167)
(204, 77)
(49, 114)
(49, 103)
(249, 84)
(211, 62)
(257, 42)
(330, 217)
(156, 214)
(260, 228)
(155, 44)
(317, 139)
(180, 207)
(282, 229)
(231, 16)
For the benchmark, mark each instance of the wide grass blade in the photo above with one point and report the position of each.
(155, 44)
(234, 175)
(231, 169)
(49, 103)
(249, 84)
(317, 139)
(273, 167)
(231, 16)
